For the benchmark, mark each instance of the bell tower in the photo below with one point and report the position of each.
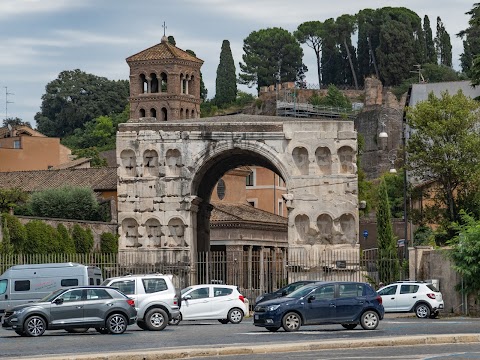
(164, 83)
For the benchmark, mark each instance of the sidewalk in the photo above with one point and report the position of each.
(185, 353)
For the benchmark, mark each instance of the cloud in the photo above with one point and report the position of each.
(15, 8)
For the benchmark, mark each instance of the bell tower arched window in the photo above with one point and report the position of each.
(164, 114)
(164, 83)
(142, 112)
(154, 83)
(143, 84)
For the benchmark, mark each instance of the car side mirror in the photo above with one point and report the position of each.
(187, 297)
(311, 298)
(58, 301)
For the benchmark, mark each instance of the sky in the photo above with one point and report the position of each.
(41, 38)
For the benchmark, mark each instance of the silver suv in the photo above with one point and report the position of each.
(155, 296)
(411, 296)
(74, 309)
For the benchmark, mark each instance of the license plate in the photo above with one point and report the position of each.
(256, 317)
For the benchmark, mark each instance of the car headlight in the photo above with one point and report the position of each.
(16, 312)
(272, 307)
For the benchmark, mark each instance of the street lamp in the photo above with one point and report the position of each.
(392, 156)
(383, 134)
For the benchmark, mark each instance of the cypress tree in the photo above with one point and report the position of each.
(429, 44)
(387, 263)
(6, 246)
(443, 44)
(226, 83)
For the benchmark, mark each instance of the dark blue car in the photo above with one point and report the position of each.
(345, 303)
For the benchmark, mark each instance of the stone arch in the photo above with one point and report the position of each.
(300, 158)
(324, 160)
(346, 157)
(325, 227)
(164, 114)
(176, 233)
(128, 163)
(150, 163)
(143, 84)
(182, 114)
(153, 112)
(142, 113)
(154, 233)
(173, 162)
(302, 227)
(130, 231)
(348, 228)
(187, 114)
(163, 82)
(153, 83)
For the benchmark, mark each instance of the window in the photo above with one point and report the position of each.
(391, 290)
(71, 282)
(3, 286)
(201, 293)
(324, 292)
(251, 179)
(16, 144)
(280, 207)
(408, 289)
(154, 285)
(74, 295)
(220, 291)
(22, 285)
(252, 202)
(126, 286)
(96, 294)
(350, 290)
(91, 281)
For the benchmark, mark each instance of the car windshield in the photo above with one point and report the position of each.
(52, 295)
(299, 293)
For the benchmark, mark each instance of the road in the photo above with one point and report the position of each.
(208, 334)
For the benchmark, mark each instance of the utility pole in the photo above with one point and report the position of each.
(418, 70)
(7, 102)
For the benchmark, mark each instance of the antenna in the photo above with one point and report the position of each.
(7, 102)
(418, 70)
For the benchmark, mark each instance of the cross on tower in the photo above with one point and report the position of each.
(164, 28)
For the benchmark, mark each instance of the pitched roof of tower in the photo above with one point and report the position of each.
(161, 51)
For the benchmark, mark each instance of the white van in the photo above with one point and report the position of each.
(21, 284)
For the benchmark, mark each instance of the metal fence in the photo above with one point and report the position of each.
(254, 272)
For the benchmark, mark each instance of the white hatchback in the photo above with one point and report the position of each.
(212, 302)
(409, 296)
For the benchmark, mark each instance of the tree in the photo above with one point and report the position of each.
(332, 62)
(345, 27)
(444, 148)
(443, 45)
(83, 239)
(431, 55)
(471, 40)
(368, 39)
(387, 263)
(226, 81)
(18, 233)
(271, 55)
(68, 202)
(109, 243)
(41, 238)
(65, 241)
(312, 33)
(75, 98)
(6, 246)
(15, 122)
(11, 198)
(171, 40)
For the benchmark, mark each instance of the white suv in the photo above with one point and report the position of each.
(156, 299)
(410, 296)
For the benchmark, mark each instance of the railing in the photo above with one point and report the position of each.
(254, 272)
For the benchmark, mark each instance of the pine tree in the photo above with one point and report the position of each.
(443, 45)
(429, 44)
(471, 41)
(387, 263)
(226, 83)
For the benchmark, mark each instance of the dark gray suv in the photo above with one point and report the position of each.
(75, 309)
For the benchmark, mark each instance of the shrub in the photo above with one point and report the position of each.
(108, 243)
(41, 238)
(83, 239)
(6, 246)
(65, 241)
(18, 233)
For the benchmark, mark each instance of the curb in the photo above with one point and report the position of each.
(185, 353)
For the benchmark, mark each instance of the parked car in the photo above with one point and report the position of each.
(283, 291)
(155, 296)
(345, 303)
(212, 302)
(410, 296)
(74, 309)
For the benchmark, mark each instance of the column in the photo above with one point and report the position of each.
(250, 266)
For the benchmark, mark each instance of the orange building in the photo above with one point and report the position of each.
(22, 148)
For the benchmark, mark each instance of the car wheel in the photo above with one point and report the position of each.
(434, 315)
(116, 324)
(272, 328)
(369, 320)
(102, 330)
(235, 316)
(156, 319)
(223, 321)
(76, 330)
(35, 326)
(349, 326)
(175, 321)
(142, 325)
(422, 311)
(21, 333)
(291, 322)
